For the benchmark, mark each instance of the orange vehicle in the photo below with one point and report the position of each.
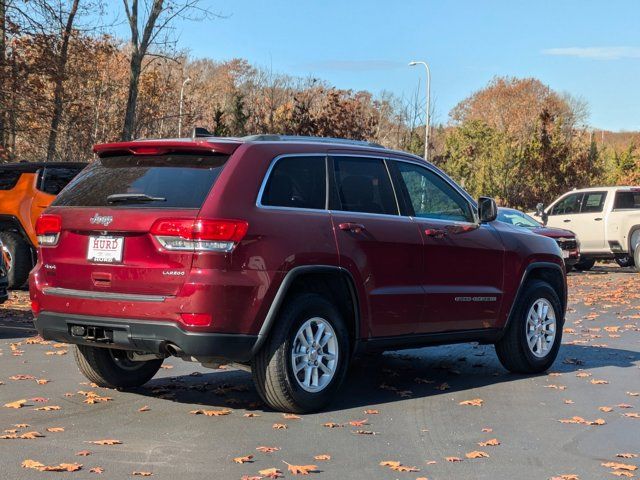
(26, 189)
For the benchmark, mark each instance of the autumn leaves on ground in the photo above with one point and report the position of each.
(438, 413)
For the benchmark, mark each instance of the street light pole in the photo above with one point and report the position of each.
(428, 117)
(184, 83)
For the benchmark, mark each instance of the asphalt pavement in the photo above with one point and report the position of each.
(407, 407)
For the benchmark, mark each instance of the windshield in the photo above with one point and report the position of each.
(516, 218)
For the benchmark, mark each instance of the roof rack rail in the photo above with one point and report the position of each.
(301, 138)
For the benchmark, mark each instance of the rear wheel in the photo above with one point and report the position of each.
(532, 339)
(113, 368)
(305, 358)
(625, 261)
(585, 264)
(17, 254)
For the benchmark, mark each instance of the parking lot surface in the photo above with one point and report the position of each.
(451, 412)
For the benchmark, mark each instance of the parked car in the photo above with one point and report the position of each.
(285, 255)
(566, 239)
(26, 189)
(3, 276)
(605, 219)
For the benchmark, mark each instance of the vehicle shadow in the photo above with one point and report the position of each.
(389, 377)
(16, 324)
(603, 270)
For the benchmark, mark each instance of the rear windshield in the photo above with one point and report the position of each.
(169, 181)
(8, 178)
(627, 200)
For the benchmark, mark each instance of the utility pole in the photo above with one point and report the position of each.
(428, 114)
(184, 83)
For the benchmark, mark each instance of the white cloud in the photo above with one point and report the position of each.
(596, 53)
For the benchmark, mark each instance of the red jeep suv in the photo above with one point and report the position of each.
(286, 254)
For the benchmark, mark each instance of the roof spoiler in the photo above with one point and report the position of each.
(165, 147)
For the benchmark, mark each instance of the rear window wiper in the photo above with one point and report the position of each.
(133, 197)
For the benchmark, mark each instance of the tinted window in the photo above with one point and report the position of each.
(363, 185)
(432, 197)
(593, 202)
(8, 179)
(177, 181)
(627, 200)
(54, 179)
(568, 205)
(297, 182)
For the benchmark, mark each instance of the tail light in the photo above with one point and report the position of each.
(199, 235)
(48, 229)
(195, 319)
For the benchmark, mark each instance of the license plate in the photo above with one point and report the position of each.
(565, 254)
(105, 249)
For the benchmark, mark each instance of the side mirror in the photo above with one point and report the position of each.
(541, 213)
(487, 209)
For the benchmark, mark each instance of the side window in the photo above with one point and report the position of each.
(297, 182)
(432, 197)
(568, 205)
(363, 185)
(593, 202)
(627, 200)
(54, 179)
(8, 179)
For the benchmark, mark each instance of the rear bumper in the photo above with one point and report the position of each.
(145, 336)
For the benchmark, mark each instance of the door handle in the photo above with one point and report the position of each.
(598, 219)
(566, 221)
(352, 227)
(435, 232)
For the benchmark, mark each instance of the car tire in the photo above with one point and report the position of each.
(532, 338)
(585, 264)
(112, 368)
(626, 261)
(280, 367)
(19, 254)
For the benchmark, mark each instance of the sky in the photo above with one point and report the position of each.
(590, 49)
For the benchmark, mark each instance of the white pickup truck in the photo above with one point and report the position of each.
(606, 221)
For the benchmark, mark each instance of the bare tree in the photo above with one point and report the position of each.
(61, 65)
(158, 18)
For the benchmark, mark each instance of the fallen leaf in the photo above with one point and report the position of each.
(490, 443)
(142, 474)
(244, 459)
(359, 423)
(599, 382)
(476, 454)
(22, 377)
(363, 432)
(271, 473)
(251, 415)
(48, 408)
(267, 449)
(144, 409)
(42, 381)
(332, 425)
(96, 470)
(322, 457)
(16, 404)
(280, 426)
(301, 469)
(291, 416)
(106, 442)
(476, 402)
(442, 386)
(605, 409)
(211, 413)
(622, 473)
(83, 453)
(31, 435)
(487, 430)
(570, 476)
(55, 429)
(626, 455)
(583, 374)
(453, 459)
(619, 466)
(371, 412)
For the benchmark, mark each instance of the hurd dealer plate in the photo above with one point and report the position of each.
(105, 249)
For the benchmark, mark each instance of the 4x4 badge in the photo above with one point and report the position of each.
(98, 219)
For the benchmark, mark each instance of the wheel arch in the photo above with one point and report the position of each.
(552, 273)
(335, 282)
(632, 230)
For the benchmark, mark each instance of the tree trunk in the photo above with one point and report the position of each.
(58, 95)
(3, 75)
(134, 80)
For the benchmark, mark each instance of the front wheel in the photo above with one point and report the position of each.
(305, 358)
(532, 339)
(113, 368)
(585, 264)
